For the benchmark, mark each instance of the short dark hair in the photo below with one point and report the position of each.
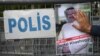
(70, 8)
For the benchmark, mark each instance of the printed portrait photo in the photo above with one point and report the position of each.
(70, 40)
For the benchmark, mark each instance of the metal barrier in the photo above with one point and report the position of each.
(29, 47)
(36, 46)
(26, 47)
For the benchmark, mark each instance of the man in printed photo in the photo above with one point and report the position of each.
(69, 34)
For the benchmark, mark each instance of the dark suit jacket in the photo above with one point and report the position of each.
(95, 30)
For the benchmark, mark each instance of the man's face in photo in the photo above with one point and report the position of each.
(69, 14)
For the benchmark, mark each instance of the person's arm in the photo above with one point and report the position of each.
(95, 30)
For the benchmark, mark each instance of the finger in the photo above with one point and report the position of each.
(81, 14)
(77, 27)
(76, 15)
(85, 17)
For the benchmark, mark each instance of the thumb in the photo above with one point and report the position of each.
(75, 16)
(77, 27)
